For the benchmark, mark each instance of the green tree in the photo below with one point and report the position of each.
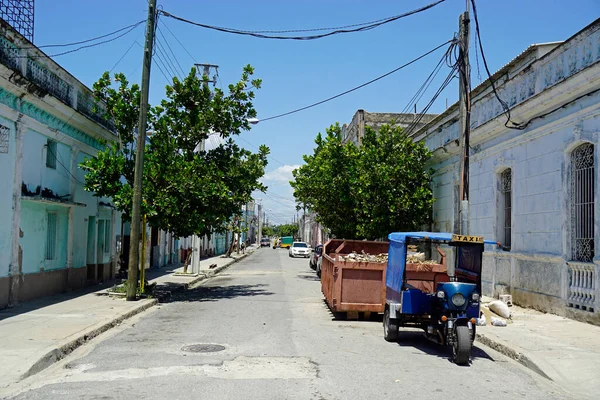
(327, 182)
(367, 192)
(268, 231)
(288, 230)
(185, 190)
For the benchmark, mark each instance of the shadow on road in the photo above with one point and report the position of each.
(309, 277)
(215, 293)
(417, 340)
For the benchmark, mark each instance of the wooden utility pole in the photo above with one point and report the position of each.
(134, 238)
(464, 116)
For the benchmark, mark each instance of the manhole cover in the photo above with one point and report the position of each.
(203, 348)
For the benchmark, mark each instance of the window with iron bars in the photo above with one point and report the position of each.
(51, 232)
(505, 220)
(51, 153)
(582, 203)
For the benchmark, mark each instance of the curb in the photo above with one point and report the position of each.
(512, 352)
(204, 275)
(64, 350)
(61, 352)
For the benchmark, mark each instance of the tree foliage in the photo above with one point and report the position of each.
(186, 190)
(287, 230)
(366, 192)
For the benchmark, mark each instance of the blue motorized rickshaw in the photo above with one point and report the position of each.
(444, 303)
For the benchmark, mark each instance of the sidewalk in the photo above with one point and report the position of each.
(561, 349)
(36, 334)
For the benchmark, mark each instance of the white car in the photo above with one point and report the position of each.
(299, 249)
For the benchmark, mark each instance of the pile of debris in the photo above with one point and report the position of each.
(418, 258)
(365, 257)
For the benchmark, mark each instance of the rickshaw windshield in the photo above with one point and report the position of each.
(468, 265)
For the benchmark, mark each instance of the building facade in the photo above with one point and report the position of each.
(534, 188)
(355, 130)
(54, 236)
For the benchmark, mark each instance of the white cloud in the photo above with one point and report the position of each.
(281, 174)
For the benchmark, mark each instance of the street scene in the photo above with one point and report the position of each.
(263, 331)
(299, 200)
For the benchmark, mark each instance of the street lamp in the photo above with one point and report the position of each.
(253, 121)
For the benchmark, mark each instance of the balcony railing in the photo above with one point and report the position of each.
(34, 65)
(582, 286)
(49, 81)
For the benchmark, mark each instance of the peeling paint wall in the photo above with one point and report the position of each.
(7, 166)
(562, 83)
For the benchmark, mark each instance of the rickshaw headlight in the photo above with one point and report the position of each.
(458, 299)
(475, 297)
(441, 294)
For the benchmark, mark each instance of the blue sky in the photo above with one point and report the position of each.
(298, 73)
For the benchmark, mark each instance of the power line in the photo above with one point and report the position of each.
(87, 46)
(169, 64)
(362, 27)
(419, 94)
(89, 40)
(166, 43)
(503, 103)
(178, 41)
(256, 147)
(422, 114)
(123, 56)
(357, 87)
(161, 70)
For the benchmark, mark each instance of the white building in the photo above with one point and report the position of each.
(54, 236)
(534, 189)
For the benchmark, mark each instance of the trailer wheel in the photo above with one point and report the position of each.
(390, 327)
(461, 349)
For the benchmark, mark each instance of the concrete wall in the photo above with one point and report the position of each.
(7, 166)
(355, 130)
(561, 82)
(39, 101)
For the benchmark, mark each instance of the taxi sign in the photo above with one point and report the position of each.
(467, 239)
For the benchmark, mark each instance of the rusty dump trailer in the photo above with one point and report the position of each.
(351, 286)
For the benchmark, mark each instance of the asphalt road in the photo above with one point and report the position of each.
(279, 341)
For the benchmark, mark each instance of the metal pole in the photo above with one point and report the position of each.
(465, 117)
(143, 257)
(259, 223)
(139, 158)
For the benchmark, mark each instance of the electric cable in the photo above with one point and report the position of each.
(179, 41)
(503, 103)
(357, 87)
(166, 59)
(89, 40)
(82, 47)
(256, 34)
(161, 70)
(419, 94)
(166, 43)
(123, 56)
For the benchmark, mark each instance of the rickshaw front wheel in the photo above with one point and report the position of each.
(461, 349)
(390, 327)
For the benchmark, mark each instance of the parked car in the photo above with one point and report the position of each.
(299, 249)
(314, 257)
(265, 242)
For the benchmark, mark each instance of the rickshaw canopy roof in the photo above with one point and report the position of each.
(435, 236)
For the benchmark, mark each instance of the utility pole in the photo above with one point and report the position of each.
(206, 71)
(464, 116)
(259, 223)
(246, 224)
(134, 251)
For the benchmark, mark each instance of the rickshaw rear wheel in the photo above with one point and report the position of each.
(461, 349)
(390, 327)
